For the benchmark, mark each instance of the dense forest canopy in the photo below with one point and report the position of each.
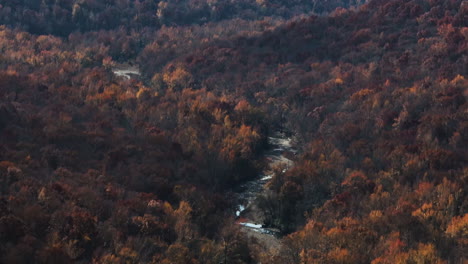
(62, 17)
(97, 168)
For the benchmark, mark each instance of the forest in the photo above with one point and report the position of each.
(101, 168)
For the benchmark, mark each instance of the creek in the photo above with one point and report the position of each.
(280, 146)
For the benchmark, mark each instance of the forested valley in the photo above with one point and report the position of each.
(100, 166)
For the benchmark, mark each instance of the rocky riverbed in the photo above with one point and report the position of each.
(248, 214)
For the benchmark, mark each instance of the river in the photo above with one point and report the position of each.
(280, 145)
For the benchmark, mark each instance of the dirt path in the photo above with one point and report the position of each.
(126, 71)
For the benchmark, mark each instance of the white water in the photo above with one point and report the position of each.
(240, 210)
(267, 177)
(281, 144)
(251, 225)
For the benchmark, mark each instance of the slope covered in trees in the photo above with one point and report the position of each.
(96, 168)
(66, 16)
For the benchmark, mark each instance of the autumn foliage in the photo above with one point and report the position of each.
(97, 168)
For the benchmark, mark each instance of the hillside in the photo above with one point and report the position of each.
(97, 168)
(67, 16)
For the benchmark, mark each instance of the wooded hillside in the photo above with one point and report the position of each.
(97, 168)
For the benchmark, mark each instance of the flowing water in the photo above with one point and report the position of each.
(247, 193)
